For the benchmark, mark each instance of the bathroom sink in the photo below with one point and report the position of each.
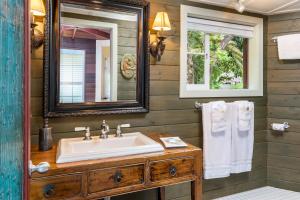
(77, 149)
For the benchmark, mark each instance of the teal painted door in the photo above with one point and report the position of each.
(11, 98)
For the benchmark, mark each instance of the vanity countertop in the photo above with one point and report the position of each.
(64, 168)
(96, 179)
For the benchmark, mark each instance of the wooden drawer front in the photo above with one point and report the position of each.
(56, 187)
(105, 179)
(172, 168)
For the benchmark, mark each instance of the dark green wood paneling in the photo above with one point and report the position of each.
(168, 114)
(283, 106)
(11, 98)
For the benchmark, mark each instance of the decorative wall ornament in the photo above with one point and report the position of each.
(128, 66)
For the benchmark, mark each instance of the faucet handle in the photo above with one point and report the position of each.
(81, 128)
(87, 132)
(125, 126)
(119, 131)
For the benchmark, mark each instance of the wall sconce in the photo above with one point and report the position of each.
(37, 10)
(161, 24)
(239, 6)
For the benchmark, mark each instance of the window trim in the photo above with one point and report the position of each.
(255, 53)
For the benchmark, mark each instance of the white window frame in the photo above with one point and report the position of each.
(255, 54)
(99, 71)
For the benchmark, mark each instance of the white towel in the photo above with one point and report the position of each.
(218, 111)
(216, 146)
(242, 141)
(245, 111)
(289, 46)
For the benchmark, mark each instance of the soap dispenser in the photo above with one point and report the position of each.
(45, 137)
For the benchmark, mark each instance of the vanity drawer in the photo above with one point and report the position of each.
(171, 168)
(106, 179)
(56, 187)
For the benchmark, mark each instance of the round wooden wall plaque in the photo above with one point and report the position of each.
(128, 66)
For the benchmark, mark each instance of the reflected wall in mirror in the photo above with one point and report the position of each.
(95, 47)
(101, 65)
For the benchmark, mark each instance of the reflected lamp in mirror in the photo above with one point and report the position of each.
(161, 24)
(37, 9)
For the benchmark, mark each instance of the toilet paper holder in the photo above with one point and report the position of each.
(280, 127)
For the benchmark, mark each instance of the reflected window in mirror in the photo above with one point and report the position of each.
(72, 73)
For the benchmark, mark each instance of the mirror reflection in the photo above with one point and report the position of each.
(97, 55)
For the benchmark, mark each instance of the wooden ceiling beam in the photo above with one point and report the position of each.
(97, 34)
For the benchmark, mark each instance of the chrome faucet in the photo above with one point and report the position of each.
(119, 131)
(87, 132)
(104, 130)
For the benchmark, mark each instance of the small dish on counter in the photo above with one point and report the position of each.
(173, 142)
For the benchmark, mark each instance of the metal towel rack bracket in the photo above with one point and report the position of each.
(198, 105)
(274, 39)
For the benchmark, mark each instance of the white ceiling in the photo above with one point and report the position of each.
(267, 7)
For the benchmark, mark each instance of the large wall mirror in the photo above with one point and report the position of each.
(96, 57)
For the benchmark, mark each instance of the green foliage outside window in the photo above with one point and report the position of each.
(196, 48)
(226, 60)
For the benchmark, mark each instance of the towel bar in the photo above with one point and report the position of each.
(199, 105)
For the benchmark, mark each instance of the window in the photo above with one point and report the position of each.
(221, 54)
(72, 65)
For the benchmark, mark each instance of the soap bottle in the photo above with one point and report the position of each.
(45, 137)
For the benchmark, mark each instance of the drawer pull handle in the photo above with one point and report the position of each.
(118, 177)
(172, 171)
(49, 190)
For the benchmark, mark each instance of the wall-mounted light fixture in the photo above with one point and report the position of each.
(161, 24)
(239, 6)
(37, 9)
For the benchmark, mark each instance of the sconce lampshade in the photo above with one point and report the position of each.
(161, 22)
(37, 8)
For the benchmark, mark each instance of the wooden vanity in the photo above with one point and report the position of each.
(96, 179)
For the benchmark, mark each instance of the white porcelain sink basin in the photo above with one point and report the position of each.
(77, 149)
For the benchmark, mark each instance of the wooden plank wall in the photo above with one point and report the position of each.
(11, 98)
(283, 105)
(167, 114)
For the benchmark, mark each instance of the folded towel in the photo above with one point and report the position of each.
(245, 110)
(289, 46)
(216, 146)
(218, 110)
(242, 138)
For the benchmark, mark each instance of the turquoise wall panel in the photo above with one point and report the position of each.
(11, 98)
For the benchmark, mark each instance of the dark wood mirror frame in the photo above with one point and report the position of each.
(52, 107)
